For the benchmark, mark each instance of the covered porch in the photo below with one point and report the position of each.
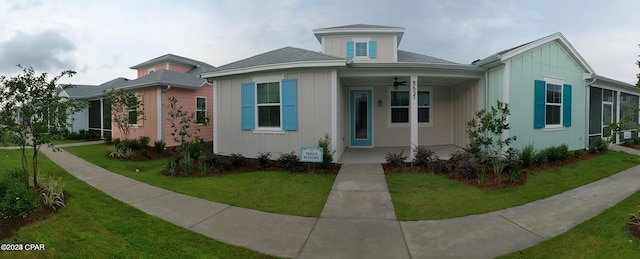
(377, 154)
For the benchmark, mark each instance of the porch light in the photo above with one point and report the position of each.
(380, 103)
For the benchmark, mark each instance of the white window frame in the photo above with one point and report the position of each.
(406, 89)
(553, 81)
(261, 80)
(150, 70)
(198, 110)
(355, 49)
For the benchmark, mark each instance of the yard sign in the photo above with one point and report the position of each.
(311, 154)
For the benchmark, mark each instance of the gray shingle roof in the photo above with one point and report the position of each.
(168, 77)
(279, 56)
(90, 91)
(412, 57)
(173, 59)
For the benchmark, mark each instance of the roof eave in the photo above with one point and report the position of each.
(461, 67)
(288, 65)
(616, 82)
(319, 33)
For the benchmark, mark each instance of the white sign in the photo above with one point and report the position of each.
(311, 154)
(627, 134)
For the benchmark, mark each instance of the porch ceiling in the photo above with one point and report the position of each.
(387, 80)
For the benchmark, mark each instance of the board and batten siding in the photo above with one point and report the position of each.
(495, 85)
(467, 98)
(549, 60)
(385, 53)
(314, 116)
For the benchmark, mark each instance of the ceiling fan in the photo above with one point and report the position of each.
(396, 83)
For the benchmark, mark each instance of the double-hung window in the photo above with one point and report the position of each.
(399, 106)
(553, 105)
(132, 109)
(361, 49)
(201, 110)
(268, 104)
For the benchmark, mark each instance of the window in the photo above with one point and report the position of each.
(399, 106)
(553, 105)
(268, 104)
(201, 110)
(133, 110)
(151, 70)
(361, 49)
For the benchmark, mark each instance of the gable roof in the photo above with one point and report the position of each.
(512, 52)
(287, 57)
(166, 77)
(356, 29)
(173, 59)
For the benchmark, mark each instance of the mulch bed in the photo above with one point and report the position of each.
(11, 225)
(633, 228)
(252, 166)
(492, 181)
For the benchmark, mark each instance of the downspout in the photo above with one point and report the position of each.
(588, 109)
(162, 111)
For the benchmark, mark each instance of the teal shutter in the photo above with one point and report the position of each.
(248, 106)
(372, 49)
(289, 100)
(566, 105)
(350, 49)
(539, 104)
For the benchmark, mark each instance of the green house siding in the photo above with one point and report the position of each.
(495, 78)
(549, 60)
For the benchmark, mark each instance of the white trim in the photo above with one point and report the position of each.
(324, 48)
(159, 113)
(413, 114)
(259, 129)
(395, 48)
(215, 116)
(205, 108)
(334, 112)
(167, 65)
(364, 40)
(304, 64)
(554, 81)
(506, 85)
(150, 70)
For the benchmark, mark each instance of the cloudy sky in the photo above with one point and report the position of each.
(102, 39)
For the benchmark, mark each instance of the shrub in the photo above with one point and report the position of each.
(117, 142)
(327, 156)
(204, 167)
(144, 141)
(512, 164)
(629, 142)
(159, 146)
(599, 145)
(396, 160)
(440, 166)
(51, 191)
(289, 161)
(108, 139)
(578, 153)
(238, 159)
(263, 160)
(171, 167)
(557, 153)
(424, 157)
(223, 164)
(195, 149)
(465, 169)
(145, 153)
(15, 198)
(455, 157)
(542, 156)
(527, 155)
(186, 165)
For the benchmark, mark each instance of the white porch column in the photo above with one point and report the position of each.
(413, 114)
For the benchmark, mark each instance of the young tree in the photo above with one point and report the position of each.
(126, 109)
(30, 108)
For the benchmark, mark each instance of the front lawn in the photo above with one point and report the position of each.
(94, 225)
(604, 236)
(429, 196)
(278, 192)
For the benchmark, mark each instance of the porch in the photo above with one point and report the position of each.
(377, 154)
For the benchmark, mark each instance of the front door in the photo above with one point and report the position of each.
(360, 111)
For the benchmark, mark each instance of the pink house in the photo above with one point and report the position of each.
(158, 80)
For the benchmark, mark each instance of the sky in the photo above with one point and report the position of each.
(100, 40)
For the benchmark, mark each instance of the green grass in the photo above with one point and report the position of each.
(66, 141)
(94, 225)
(604, 236)
(427, 196)
(277, 192)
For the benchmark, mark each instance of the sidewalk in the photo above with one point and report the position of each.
(358, 220)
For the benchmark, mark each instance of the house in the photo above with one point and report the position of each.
(365, 92)
(158, 80)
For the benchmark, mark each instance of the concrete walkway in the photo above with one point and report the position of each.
(358, 220)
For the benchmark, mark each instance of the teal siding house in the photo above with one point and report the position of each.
(367, 94)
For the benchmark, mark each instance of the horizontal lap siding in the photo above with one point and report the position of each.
(149, 128)
(549, 60)
(337, 46)
(187, 99)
